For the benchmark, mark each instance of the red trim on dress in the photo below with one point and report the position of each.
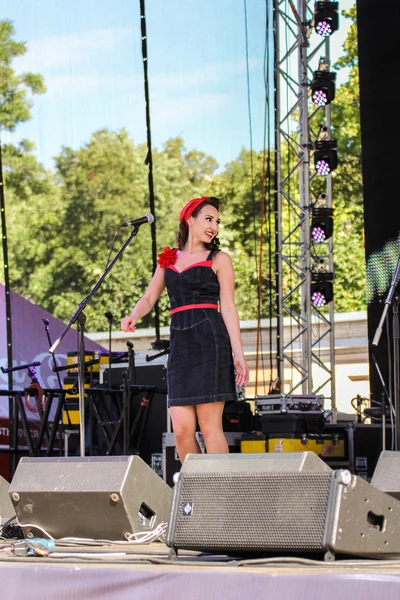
(189, 306)
(203, 263)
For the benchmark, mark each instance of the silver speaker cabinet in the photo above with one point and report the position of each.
(100, 497)
(274, 461)
(386, 476)
(262, 504)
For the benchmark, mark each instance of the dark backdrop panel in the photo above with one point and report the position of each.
(378, 51)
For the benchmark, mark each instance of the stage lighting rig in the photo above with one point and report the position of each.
(321, 224)
(323, 87)
(325, 156)
(326, 18)
(321, 289)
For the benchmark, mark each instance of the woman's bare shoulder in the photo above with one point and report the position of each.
(222, 255)
(222, 259)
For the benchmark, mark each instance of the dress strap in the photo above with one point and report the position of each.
(212, 253)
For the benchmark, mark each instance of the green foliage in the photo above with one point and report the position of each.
(239, 188)
(76, 214)
(30, 194)
(348, 249)
(15, 103)
(32, 209)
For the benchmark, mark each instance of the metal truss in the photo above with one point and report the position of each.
(305, 335)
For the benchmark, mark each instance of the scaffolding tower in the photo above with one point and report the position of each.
(305, 333)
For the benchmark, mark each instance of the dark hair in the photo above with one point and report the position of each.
(183, 231)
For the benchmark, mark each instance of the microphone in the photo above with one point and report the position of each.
(140, 221)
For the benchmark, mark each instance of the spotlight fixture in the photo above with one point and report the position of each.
(321, 289)
(323, 87)
(321, 224)
(325, 156)
(326, 18)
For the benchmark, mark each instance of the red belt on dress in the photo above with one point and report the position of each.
(189, 306)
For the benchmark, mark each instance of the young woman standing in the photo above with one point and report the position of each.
(206, 359)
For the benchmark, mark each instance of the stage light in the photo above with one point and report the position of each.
(326, 18)
(325, 156)
(321, 224)
(323, 87)
(321, 289)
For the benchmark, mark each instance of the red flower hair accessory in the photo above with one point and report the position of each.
(190, 207)
(167, 257)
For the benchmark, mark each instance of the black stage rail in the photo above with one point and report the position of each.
(18, 415)
(123, 433)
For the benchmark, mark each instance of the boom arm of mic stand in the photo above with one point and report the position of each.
(388, 302)
(375, 342)
(154, 356)
(84, 302)
(79, 316)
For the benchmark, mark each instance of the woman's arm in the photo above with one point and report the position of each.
(146, 302)
(229, 313)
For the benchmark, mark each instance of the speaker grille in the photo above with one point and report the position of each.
(250, 511)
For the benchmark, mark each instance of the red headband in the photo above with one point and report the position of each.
(191, 206)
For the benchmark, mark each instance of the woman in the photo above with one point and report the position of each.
(201, 370)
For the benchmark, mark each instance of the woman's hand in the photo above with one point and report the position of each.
(129, 323)
(242, 371)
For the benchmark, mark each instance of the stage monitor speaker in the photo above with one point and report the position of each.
(261, 504)
(6, 508)
(386, 476)
(276, 461)
(100, 497)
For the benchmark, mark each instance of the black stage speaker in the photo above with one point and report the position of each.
(6, 508)
(378, 46)
(288, 503)
(386, 476)
(100, 497)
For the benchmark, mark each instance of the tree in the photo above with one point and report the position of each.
(24, 179)
(239, 188)
(33, 210)
(349, 250)
(100, 186)
(15, 103)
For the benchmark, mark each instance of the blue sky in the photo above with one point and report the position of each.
(89, 52)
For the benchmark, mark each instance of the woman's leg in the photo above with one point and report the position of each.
(210, 422)
(184, 426)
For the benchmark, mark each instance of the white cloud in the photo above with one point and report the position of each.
(166, 111)
(73, 85)
(210, 74)
(55, 52)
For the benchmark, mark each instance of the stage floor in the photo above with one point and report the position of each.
(145, 571)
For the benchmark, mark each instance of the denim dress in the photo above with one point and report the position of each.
(200, 367)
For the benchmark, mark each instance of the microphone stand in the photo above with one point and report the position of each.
(80, 318)
(375, 342)
(46, 323)
(110, 318)
(396, 366)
